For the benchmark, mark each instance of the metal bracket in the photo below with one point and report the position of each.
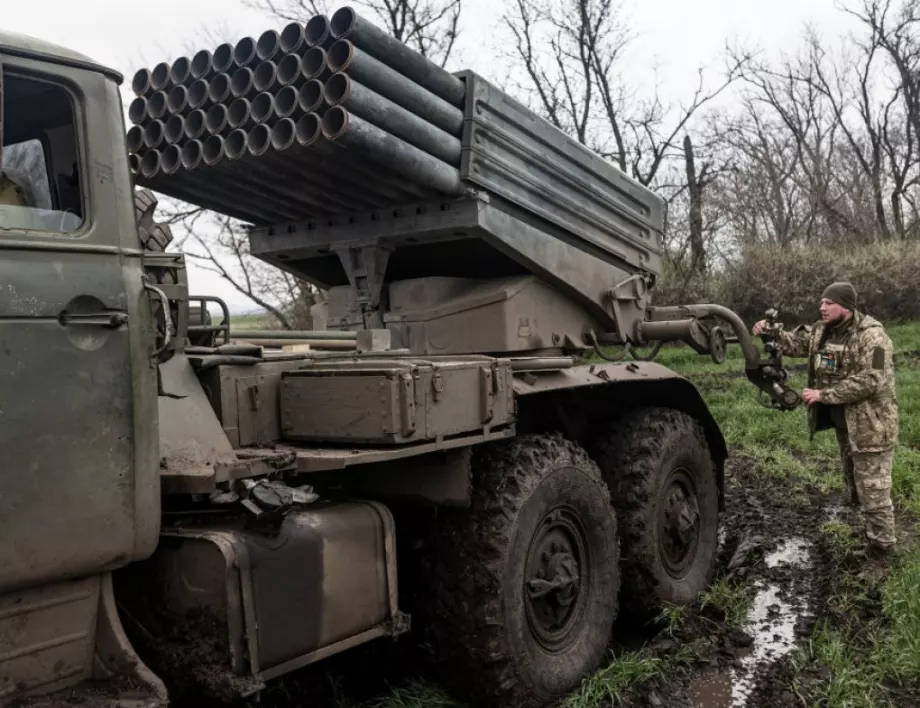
(365, 267)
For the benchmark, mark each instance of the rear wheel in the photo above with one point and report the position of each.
(524, 583)
(663, 485)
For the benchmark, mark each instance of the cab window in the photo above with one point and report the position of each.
(40, 180)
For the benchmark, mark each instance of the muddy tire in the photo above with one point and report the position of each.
(522, 586)
(663, 485)
(153, 236)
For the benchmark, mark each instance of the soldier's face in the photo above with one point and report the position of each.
(832, 313)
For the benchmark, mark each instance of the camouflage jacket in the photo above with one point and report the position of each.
(853, 367)
(11, 192)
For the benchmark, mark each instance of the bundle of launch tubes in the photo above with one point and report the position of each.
(328, 117)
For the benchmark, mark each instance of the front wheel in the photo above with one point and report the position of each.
(664, 489)
(525, 582)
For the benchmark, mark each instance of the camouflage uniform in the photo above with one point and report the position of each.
(12, 192)
(852, 364)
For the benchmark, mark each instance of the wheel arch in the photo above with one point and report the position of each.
(580, 400)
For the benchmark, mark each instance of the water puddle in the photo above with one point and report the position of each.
(770, 623)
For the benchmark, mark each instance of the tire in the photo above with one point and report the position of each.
(538, 504)
(655, 462)
(156, 237)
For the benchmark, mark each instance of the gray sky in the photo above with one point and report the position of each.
(676, 35)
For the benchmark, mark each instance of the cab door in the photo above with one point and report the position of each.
(79, 488)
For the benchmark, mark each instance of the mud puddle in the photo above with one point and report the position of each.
(776, 610)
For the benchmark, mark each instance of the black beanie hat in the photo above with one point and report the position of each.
(843, 294)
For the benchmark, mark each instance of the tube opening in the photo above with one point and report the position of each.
(339, 55)
(335, 123)
(134, 163)
(337, 89)
(153, 134)
(288, 69)
(260, 139)
(201, 64)
(135, 139)
(292, 37)
(140, 84)
(198, 94)
(219, 88)
(156, 105)
(177, 100)
(171, 160)
(307, 130)
(318, 29)
(343, 22)
(311, 96)
(160, 76)
(137, 111)
(241, 83)
(223, 58)
(216, 119)
(150, 164)
(180, 71)
(269, 45)
(238, 113)
(314, 61)
(244, 53)
(264, 76)
(191, 154)
(195, 124)
(283, 134)
(263, 106)
(213, 150)
(175, 128)
(235, 144)
(286, 101)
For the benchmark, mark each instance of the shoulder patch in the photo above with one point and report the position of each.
(878, 358)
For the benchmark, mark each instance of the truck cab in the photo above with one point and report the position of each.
(79, 480)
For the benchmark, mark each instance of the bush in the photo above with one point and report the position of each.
(792, 279)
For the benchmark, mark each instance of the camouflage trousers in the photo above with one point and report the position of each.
(868, 478)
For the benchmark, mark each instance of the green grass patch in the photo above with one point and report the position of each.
(415, 694)
(732, 598)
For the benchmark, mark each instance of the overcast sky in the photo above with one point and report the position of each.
(678, 35)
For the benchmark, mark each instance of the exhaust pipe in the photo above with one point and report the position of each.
(265, 76)
(142, 83)
(405, 159)
(310, 98)
(241, 85)
(239, 115)
(269, 45)
(195, 127)
(340, 90)
(159, 77)
(318, 32)
(344, 57)
(244, 53)
(202, 66)
(177, 100)
(154, 135)
(219, 88)
(134, 140)
(175, 129)
(180, 73)
(263, 108)
(347, 24)
(156, 105)
(314, 64)
(137, 111)
(293, 39)
(217, 120)
(222, 59)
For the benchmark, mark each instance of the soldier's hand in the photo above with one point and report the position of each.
(811, 396)
(759, 327)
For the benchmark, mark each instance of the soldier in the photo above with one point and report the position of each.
(851, 388)
(12, 191)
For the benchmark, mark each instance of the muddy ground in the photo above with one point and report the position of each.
(772, 543)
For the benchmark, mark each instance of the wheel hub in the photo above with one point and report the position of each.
(554, 579)
(679, 523)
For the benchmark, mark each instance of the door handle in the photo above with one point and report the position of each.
(109, 320)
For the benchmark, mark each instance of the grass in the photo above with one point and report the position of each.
(732, 598)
